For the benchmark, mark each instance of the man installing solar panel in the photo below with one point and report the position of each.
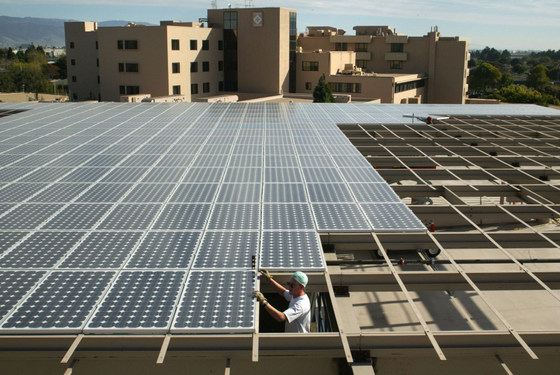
(297, 316)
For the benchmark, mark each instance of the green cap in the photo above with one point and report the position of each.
(300, 277)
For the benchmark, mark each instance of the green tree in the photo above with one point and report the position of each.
(322, 92)
(538, 78)
(506, 80)
(61, 65)
(523, 94)
(484, 77)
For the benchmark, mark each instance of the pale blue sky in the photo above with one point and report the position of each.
(511, 24)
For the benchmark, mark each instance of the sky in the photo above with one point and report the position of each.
(501, 24)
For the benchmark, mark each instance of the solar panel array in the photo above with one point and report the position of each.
(155, 217)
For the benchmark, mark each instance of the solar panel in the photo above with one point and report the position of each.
(155, 218)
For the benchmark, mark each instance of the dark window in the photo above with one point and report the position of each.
(98, 80)
(349, 87)
(175, 44)
(395, 64)
(177, 90)
(119, 44)
(400, 87)
(220, 45)
(74, 79)
(308, 85)
(122, 90)
(121, 67)
(130, 44)
(176, 67)
(73, 62)
(206, 87)
(341, 47)
(230, 20)
(205, 45)
(221, 86)
(310, 66)
(397, 47)
(194, 45)
(194, 67)
(132, 67)
(361, 47)
(205, 66)
(96, 44)
(194, 88)
(72, 46)
(132, 90)
(220, 65)
(361, 63)
(96, 62)
(75, 96)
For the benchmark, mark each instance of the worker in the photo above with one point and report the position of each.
(297, 316)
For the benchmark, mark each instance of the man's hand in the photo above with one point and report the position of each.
(262, 299)
(266, 274)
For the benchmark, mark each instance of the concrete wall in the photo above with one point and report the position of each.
(83, 36)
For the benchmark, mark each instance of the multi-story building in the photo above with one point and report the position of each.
(430, 68)
(257, 51)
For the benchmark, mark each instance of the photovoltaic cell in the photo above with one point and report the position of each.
(165, 250)
(78, 216)
(28, 216)
(102, 250)
(108, 193)
(138, 300)
(130, 216)
(217, 301)
(388, 216)
(291, 250)
(60, 193)
(19, 192)
(287, 216)
(155, 192)
(337, 217)
(14, 285)
(284, 193)
(227, 250)
(234, 216)
(63, 301)
(183, 216)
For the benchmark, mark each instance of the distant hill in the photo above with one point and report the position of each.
(47, 32)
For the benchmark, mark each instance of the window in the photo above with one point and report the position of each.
(400, 87)
(132, 90)
(308, 85)
(395, 64)
(98, 80)
(120, 44)
(205, 45)
(96, 44)
(341, 47)
(220, 45)
(206, 66)
(176, 67)
(75, 96)
(74, 79)
(206, 87)
(131, 67)
(194, 88)
(194, 67)
(122, 90)
(177, 90)
(361, 64)
(96, 62)
(72, 46)
(397, 47)
(175, 44)
(220, 65)
(230, 20)
(361, 47)
(73, 62)
(345, 87)
(310, 66)
(221, 86)
(194, 45)
(128, 67)
(130, 44)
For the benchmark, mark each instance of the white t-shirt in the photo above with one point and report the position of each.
(298, 314)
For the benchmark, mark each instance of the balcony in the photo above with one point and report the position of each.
(396, 56)
(350, 39)
(363, 55)
(396, 39)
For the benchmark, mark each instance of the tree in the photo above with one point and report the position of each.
(523, 94)
(322, 92)
(61, 65)
(484, 77)
(506, 80)
(538, 78)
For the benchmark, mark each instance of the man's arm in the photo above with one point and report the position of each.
(279, 288)
(277, 315)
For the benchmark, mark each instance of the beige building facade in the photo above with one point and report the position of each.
(440, 64)
(257, 51)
